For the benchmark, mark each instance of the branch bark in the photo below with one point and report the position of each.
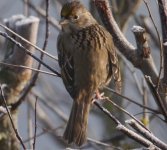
(163, 17)
(147, 134)
(127, 131)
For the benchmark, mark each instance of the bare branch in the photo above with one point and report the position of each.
(28, 52)
(126, 112)
(125, 130)
(30, 68)
(35, 77)
(45, 131)
(160, 43)
(145, 118)
(42, 116)
(132, 101)
(41, 12)
(147, 134)
(35, 131)
(163, 17)
(157, 97)
(26, 41)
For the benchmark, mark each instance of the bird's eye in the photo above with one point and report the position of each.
(76, 17)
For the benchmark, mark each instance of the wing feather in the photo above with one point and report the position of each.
(66, 64)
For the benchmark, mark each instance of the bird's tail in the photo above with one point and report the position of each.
(76, 130)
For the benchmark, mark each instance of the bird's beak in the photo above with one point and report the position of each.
(63, 22)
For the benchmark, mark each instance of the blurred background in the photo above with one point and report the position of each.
(54, 103)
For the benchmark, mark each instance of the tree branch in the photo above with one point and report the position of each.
(28, 52)
(127, 49)
(147, 134)
(163, 17)
(125, 130)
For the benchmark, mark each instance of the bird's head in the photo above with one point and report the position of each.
(74, 16)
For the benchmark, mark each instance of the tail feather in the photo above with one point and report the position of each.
(76, 130)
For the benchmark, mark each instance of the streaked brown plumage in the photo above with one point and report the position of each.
(88, 60)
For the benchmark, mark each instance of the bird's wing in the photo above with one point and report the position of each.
(114, 64)
(115, 70)
(66, 64)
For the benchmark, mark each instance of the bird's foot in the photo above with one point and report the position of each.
(98, 96)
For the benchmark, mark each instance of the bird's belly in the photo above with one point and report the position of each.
(91, 68)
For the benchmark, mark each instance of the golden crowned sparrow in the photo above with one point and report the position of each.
(88, 60)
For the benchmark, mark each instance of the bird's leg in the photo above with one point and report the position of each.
(98, 96)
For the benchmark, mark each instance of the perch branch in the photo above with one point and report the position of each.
(125, 130)
(126, 112)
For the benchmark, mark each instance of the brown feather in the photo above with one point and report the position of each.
(88, 61)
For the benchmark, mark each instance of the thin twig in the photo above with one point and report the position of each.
(116, 121)
(45, 131)
(157, 97)
(10, 118)
(163, 16)
(35, 131)
(150, 112)
(45, 120)
(54, 109)
(30, 132)
(35, 77)
(125, 130)
(132, 70)
(28, 42)
(45, 41)
(103, 144)
(28, 52)
(42, 13)
(126, 98)
(25, 67)
(160, 43)
(147, 134)
(145, 118)
(126, 112)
